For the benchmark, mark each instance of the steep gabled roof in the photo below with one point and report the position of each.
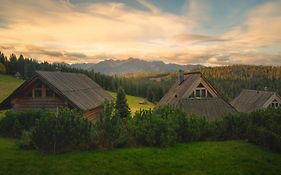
(251, 100)
(178, 90)
(210, 107)
(78, 89)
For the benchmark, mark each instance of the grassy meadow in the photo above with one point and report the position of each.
(200, 158)
(133, 102)
(7, 85)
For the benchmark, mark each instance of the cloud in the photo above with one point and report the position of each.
(150, 6)
(196, 37)
(88, 32)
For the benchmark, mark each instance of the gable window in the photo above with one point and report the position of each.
(38, 91)
(200, 92)
(275, 104)
(49, 92)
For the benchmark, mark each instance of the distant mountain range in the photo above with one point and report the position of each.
(134, 65)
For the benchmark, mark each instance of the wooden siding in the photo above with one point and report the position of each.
(93, 114)
(25, 103)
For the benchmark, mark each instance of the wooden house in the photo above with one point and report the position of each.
(58, 89)
(252, 100)
(195, 95)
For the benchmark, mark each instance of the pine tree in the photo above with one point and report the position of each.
(121, 106)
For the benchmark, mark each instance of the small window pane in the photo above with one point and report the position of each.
(49, 93)
(203, 93)
(38, 93)
(197, 93)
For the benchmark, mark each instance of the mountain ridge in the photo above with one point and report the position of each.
(134, 65)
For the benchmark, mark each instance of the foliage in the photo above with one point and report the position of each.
(69, 130)
(107, 126)
(14, 123)
(121, 104)
(2, 68)
(161, 127)
(261, 127)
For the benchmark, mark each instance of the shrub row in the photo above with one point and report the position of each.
(161, 127)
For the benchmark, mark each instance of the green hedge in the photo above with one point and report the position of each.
(161, 127)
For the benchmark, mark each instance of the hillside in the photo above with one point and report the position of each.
(212, 158)
(133, 65)
(7, 85)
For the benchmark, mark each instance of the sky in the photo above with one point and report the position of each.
(208, 32)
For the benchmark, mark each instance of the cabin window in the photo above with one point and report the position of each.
(275, 104)
(38, 91)
(49, 92)
(200, 92)
(29, 94)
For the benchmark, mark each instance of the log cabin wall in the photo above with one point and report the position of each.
(37, 95)
(93, 114)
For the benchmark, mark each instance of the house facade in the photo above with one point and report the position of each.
(51, 90)
(195, 95)
(253, 100)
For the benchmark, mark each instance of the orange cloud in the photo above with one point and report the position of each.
(60, 31)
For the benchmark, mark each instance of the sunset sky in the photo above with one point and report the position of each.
(209, 32)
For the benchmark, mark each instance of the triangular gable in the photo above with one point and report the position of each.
(274, 97)
(6, 103)
(202, 81)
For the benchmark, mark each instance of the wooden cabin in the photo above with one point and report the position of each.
(195, 95)
(253, 100)
(58, 89)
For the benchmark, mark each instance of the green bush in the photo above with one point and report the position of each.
(14, 123)
(108, 126)
(69, 130)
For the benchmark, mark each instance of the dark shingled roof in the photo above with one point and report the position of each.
(78, 89)
(209, 107)
(251, 100)
(178, 90)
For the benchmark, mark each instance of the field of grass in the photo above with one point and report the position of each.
(7, 85)
(206, 158)
(134, 102)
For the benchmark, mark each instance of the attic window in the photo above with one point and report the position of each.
(275, 104)
(38, 91)
(200, 92)
(49, 92)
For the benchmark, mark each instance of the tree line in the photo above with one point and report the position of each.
(228, 80)
(142, 87)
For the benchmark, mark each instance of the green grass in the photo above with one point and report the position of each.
(133, 102)
(200, 158)
(7, 85)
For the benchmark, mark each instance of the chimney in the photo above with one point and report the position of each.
(181, 76)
